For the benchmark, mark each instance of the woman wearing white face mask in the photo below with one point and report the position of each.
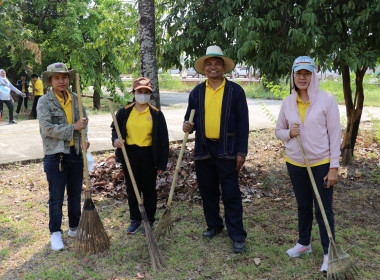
(145, 136)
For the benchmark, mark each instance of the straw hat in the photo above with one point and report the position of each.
(55, 68)
(214, 51)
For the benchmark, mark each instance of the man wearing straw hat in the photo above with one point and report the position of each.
(221, 144)
(60, 125)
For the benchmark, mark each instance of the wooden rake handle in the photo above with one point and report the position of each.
(82, 131)
(316, 192)
(125, 154)
(179, 161)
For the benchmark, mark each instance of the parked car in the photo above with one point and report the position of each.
(192, 73)
(174, 71)
(329, 75)
(242, 72)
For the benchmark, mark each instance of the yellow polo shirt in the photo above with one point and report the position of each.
(139, 128)
(38, 88)
(68, 110)
(213, 110)
(302, 108)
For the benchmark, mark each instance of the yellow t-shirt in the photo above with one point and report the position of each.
(302, 108)
(213, 110)
(23, 88)
(38, 88)
(139, 128)
(68, 110)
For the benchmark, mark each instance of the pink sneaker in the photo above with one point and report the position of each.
(298, 250)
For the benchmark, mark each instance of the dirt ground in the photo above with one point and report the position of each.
(263, 181)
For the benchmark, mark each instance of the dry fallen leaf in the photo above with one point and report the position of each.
(257, 261)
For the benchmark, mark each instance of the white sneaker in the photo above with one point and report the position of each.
(56, 241)
(325, 265)
(298, 250)
(72, 232)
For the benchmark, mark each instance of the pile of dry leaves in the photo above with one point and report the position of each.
(107, 179)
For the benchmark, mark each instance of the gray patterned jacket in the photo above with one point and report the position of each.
(56, 132)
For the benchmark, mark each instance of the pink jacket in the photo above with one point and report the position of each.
(321, 130)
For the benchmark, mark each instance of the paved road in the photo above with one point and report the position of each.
(22, 142)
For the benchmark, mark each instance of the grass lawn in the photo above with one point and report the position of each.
(269, 218)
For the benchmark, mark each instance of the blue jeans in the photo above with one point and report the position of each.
(70, 176)
(305, 196)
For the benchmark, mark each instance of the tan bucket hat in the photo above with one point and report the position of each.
(214, 51)
(54, 68)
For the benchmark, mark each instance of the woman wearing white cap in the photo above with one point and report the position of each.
(313, 114)
(5, 94)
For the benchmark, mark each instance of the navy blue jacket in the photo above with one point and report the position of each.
(160, 137)
(234, 125)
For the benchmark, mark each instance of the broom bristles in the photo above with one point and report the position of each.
(154, 251)
(91, 236)
(339, 264)
(165, 224)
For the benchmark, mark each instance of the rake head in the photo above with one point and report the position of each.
(165, 225)
(339, 264)
(91, 236)
(154, 251)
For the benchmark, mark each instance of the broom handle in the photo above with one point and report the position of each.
(328, 229)
(179, 161)
(125, 154)
(82, 133)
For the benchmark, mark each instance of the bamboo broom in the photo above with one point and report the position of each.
(166, 222)
(91, 236)
(339, 265)
(154, 251)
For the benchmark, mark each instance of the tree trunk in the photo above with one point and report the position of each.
(147, 41)
(97, 88)
(354, 112)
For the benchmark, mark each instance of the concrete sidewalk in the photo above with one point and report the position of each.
(22, 142)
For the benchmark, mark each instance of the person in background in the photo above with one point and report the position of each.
(145, 136)
(5, 95)
(38, 91)
(221, 144)
(23, 86)
(60, 126)
(312, 114)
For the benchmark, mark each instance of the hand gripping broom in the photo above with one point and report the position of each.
(339, 265)
(166, 223)
(91, 236)
(154, 252)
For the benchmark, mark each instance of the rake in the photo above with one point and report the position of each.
(154, 251)
(165, 224)
(91, 236)
(339, 264)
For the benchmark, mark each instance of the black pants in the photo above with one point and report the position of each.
(145, 173)
(9, 104)
(20, 100)
(34, 107)
(305, 196)
(210, 173)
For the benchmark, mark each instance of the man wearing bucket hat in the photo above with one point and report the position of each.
(221, 144)
(60, 125)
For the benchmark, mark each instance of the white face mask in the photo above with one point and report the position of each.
(142, 98)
